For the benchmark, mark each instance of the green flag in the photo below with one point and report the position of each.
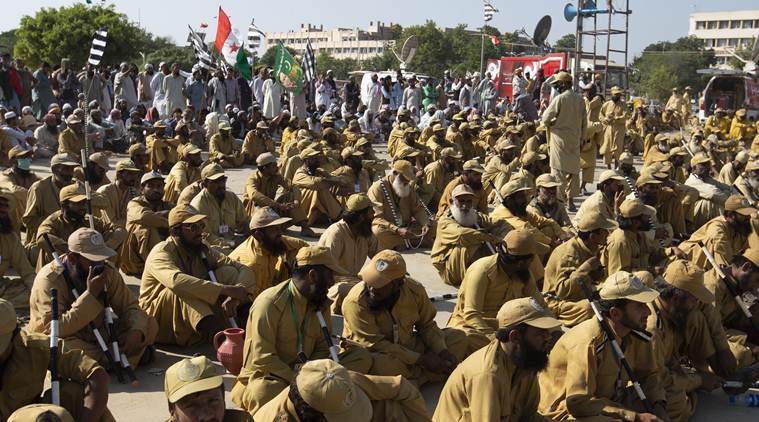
(242, 65)
(287, 71)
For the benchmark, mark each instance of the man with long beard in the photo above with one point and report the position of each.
(747, 182)
(318, 201)
(14, 290)
(268, 254)
(500, 380)
(175, 287)
(41, 201)
(712, 194)
(610, 192)
(355, 178)
(398, 212)
(584, 378)
(184, 173)
(283, 331)
(350, 241)
(390, 314)
(546, 203)
(471, 176)
(462, 237)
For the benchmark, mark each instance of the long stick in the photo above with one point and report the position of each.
(497, 192)
(489, 245)
(212, 276)
(327, 337)
(114, 338)
(55, 387)
(87, 189)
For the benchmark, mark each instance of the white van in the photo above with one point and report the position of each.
(730, 92)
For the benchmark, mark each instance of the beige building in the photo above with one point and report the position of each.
(725, 32)
(340, 43)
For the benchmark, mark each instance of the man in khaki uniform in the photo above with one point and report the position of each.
(628, 247)
(730, 171)
(15, 290)
(41, 412)
(492, 281)
(355, 178)
(184, 173)
(222, 148)
(325, 390)
(546, 203)
(437, 141)
(592, 138)
(25, 358)
(86, 266)
(226, 222)
(17, 179)
(584, 378)
(139, 156)
(614, 116)
(256, 143)
(119, 193)
(267, 188)
(161, 149)
(607, 197)
(463, 236)
(195, 392)
(472, 177)
(97, 170)
(267, 252)
(43, 195)
(176, 290)
(318, 200)
(147, 224)
(712, 194)
(71, 216)
(283, 331)
(71, 139)
(391, 315)
(499, 381)
(499, 167)
(574, 261)
(351, 242)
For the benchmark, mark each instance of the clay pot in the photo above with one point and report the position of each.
(229, 352)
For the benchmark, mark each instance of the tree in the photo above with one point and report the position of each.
(743, 52)
(163, 50)
(7, 40)
(566, 42)
(340, 67)
(53, 34)
(665, 64)
(271, 53)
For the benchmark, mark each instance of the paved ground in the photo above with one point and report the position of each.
(148, 403)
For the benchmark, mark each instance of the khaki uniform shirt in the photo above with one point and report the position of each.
(223, 219)
(596, 203)
(348, 249)
(146, 227)
(356, 184)
(545, 230)
(181, 175)
(405, 208)
(41, 202)
(255, 145)
(117, 199)
(566, 121)
(59, 229)
(436, 177)
(218, 146)
(489, 387)
(583, 375)
(629, 251)
(480, 201)
(268, 269)
(19, 186)
(451, 235)
(261, 191)
(71, 142)
(558, 214)
(724, 312)
(562, 273)
(719, 238)
(24, 373)
(188, 193)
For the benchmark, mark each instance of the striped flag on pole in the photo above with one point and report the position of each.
(490, 11)
(98, 46)
(309, 63)
(254, 37)
(205, 59)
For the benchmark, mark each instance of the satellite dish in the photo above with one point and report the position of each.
(407, 51)
(541, 31)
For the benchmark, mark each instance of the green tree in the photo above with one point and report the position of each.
(164, 50)
(566, 42)
(666, 64)
(742, 52)
(53, 34)
(271, 53)
(7, 40)
(340, 67)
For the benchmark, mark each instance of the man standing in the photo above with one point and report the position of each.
(566, 121)
(519, 83)
(412, 95)
(123, 86)
(272, 94)
(217, 91)
(614, 117)
(144, 90)
(42, 92)
(173, 88)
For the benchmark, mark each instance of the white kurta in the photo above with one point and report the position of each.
(272, 98)
(173, 86)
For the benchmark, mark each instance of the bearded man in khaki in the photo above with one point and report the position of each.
(439, 173)
(283, 331)
(398, 212)
(391, 315)
(161, 149)
(584, 380)
(222, 148)
(547, 204)
(614, 117)
(119, 193)
(184, 173)
(175, 287)
(226, 222)
(319, 202)
(147, 224)
(492, 281)
(15, 290)
(471, 176)
(500, 381)
(499, 167)
(574, 261)
(463, 236)
(267, 252)
(256, 143)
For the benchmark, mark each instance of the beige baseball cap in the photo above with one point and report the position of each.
(678, 151)
(646, 178)
(358, 202)
(90, 244)
(739, 204)
(593, 220)
(405, 169)
(212, 172)
(407, 151)
(623, 285)
(265, 158)
(261, 125)
(8, 323)
(742, 156)
(190, 149)
(189, 376)
(266, 217)
(687, 276)
(386, 266)
(309, 152)
(318, 255)
(546, 180)
(137, 148)
(521, 242)
(184, 215)
(626, 158)
(101, 159)
(63, 159)
(449, 152)
(462, 190)
(151, 175)
(631, 208)
(126, 165)
(610, 175)
(532, 156)
(41, 412)
(438, 128)
(699, 158)
(72, 193)
(18, 151)
(473, 165)
(513, 186)
(327, 388)
(349, 151)
(752, 254)
(526, 310)
(505, 144)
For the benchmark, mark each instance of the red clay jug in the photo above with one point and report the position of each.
(229, 352)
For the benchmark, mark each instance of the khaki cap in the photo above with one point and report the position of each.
(266, 217)
(687, 276)
(626, 158)
(73, 119)
(348, 151)
(63, 159)
(72, 193)
(361, 142)
(741, 112)
(137, 148)
(309, 152)
(224, 125)
(18, 151)
(438, 128)
(623, 285)
(563, 77)
(405, 169)
(522, 242)
(526, 310)
(678, 151)
(327, 118)
(616, 90)
(261, 125)
(594, 220)
(151, 175)
(661, 138)
(40, 412)
(386, 266)
(189, 376)
(513, 186)
(474, 165)
(488, 124)
(610, 175)
(265, 158)
(739, 204)
(462, 190)
(742, 157)
(353, 123)
(459, 117)
(186, 215)
(699, 158)
(546, 181)
(126, 165)
(752, 254)
(463, 126)
(506, 144)
(530, 157)
(645, 179)
(159, 124)
(326, 386)
(411, 130)
(90, 244)
(541, 127)
(212, 172)
(8, 323)
(407, 152)
(318, 255)
(449, 152)
(358, 202)
(632, 208)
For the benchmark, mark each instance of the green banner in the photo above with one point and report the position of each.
(287, 71)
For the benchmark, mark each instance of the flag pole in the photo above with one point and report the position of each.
(482, 47)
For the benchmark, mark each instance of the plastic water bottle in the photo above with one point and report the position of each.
(747, 400)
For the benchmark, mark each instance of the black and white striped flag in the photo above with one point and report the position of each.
(205, 59)
(309, 63)
(490, 11)
(98, 46)
(254, 37)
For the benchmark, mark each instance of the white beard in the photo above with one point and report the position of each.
(401, 189)
(466, 218)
